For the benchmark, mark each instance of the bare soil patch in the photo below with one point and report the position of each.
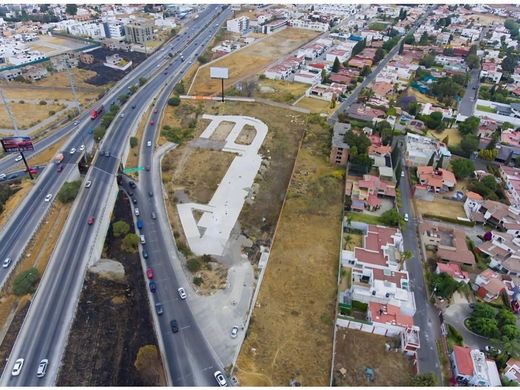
(28, 114)
(118, 329)
(441, 207)
(357, 350)
(222, 131)
(246, 135)
(279, 90)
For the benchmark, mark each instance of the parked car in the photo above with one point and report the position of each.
(147, 167)
(220, 378)
(88, 184)
(134, 200)
(154, 216)
(149, 273)
(139, 224)
(2, 176)
(142, 239)
(60, 168)
(234, 332)
(145, 254)
(153, 286)
(182, 293)
(42, 368)
(19, 158)
(159, 308)
(7, 262)
(131, 184)
(174, 326)
(136, 211)
(406, 217)
(149, 143)
(82, 148)
(17, 368)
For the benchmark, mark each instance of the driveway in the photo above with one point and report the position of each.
(455, 315)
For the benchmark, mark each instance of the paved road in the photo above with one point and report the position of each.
(467, 103)
(45, 329)
(426, 317)
(455, 315)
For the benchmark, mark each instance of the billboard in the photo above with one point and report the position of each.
(218, 73)
(17, 144)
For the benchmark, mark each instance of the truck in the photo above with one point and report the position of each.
(95, 112)
(59, 158)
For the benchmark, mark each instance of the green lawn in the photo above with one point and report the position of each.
(486, 109)
(366, 218)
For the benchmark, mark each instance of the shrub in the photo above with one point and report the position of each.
(69, 191)
(359, 305)
(51, 112)
(130, 243)
(193, 265)
(120, 228)
(24, 282)
(133, 142)
(197, 281)
(174, 101)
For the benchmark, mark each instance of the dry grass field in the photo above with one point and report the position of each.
(252, 59)
(315, 105)
(279, 90)
(27, 114)
(442, 207)
(453, 134)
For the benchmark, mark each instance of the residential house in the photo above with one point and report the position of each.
(238, 25)
(489, 285)
(341, 55)
(326, 92)
(419, 151)
(449, 243)
(370, 189)
(278, 72)
(306, 77)
(487, 127)
(512, 370)
(471, 368)
(511, 178)
(491, 212)
(381, 89)
(436, 180)
(454, 271)
(504, 252)
(364, 113)
(490, 71)
(390, 316)
(339, 148)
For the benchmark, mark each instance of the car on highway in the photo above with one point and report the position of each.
(90, 220)
(7, 262)
(150, 194)
(234, 332)
(122, 115)
(154, 216)
(155, 111)
(17, 368)
(152, 122)
(107, 153)
(149, 143)
(149, 273)
(220, 378)
(76, 123)
(159, 308)
(406, 217)
(153, 287)
(147, 168)
(48, 197)
(136, 212)
(19, 158)
(145, 254)
(3, 176)
(174, 326)
(182, 293)
(82, 148)
(133, 106)
(134, 200)
(72, 151)
(88, 184)
(60, 168)
(42, 368)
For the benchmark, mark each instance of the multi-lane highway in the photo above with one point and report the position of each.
(45, 329)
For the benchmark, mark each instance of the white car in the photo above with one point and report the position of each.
(142, 239)
(19, 158)
(406, 217)
(221, 380)
(72, 151)
(88, 184)
(7, 262)
(402, 174)
(234, 332)
(182, 293)
(76, 123)
(3, 176)
(82, 148)
(42, 368)
(122, 115)
(48, 197)
(136, 211)
(17, 368)
(149, 143)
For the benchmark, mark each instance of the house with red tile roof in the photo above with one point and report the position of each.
(364, 113)
(436, 180)
(382, 89)
(340, 78)
(503, 251)
(472, 368)
(360, 63)
(511, 178)
(490, 285)
(512, 370)
(454, 271)
(370, 189)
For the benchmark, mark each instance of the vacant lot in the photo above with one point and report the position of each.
(357, 350)
(61, 79)
(453, 134)
(55, 45)
(29, 92)
(441, 207)
(27, 115)
(290, 335)
(421, 98)
(252, 59)
(315, 105)
(279, 90)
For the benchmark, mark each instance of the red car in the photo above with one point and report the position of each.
(149, 273)
(90, 220)
(60, 168)
(155, 111)
(147, 167)
(152, 122)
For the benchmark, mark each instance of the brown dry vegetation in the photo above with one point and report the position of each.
(315, 105)
(14, 200)
(252, 59)
(290, 335)
(357, 350)
(283, 91)
(133, 154)
(27, 114)
(24, 91)
(442, 207)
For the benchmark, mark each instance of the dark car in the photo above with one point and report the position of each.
(150, 194)
(133, 106)
(145, 254)
(147, 168)
(90, 220)
(134, 200)
(159, 309)
(131, 184)
(130, 193)
(139, 224)
(153, 287)
(174, 326)
(60, 168)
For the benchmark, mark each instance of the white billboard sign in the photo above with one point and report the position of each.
(218, 73)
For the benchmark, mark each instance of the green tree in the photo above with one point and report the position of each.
(510, 331)
(130, 243)
(423, 380)
(179, 87)
(133, 142)
(24, 282)
(486, 327)
(427, 60)
(174, 101)
(462, 168)
(505, 317)
(469, 144)
(440, 161)
(391, 217)
(482, 310)
(365, 71)
(358, 47)
(446, 140)
(120, 228)
(336, 65)
(142, 81)
(194, 265)
(69, 191)
(379, 55)
(361, 141)
(409, 39)
(99, 133)
(444, 285)
(71, 9)
(472, 61)
(431, 160)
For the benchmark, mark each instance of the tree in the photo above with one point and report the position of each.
(462, 168)
(401, 47)
(133, 142)
(71, 9)
(323, 76)
(486, 327)
(202, 58)
(120, 228)
(379, 55)
(444, 285)
(361, 141)
(509, 63)
(130, 243)
(434, 121)
(358, 47)
(142, 81)
(365, 71)
(336, 65)
(488, 154)
(179, 88)
(472, 61)
(427, 60)
(174, 101)
(482, 310)
(406, 255)
(409, 39)
(123, 98)
(446, 140)
(469, 144)
(490, 182)
(24, 282)
(363, 160)
(99, 133)
(440, 161)
(423, 380)
(390, 217)
(424, 39)
(69, 191)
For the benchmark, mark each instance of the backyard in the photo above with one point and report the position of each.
(441, 207)
(251, 60)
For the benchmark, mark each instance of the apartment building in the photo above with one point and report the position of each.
(419, 150)
(139, 32)
(471, 368)
(339, 148)
(238, 25)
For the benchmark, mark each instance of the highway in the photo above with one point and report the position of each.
(46, 326)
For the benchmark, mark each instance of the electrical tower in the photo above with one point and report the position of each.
(11, 117)
(71, 82)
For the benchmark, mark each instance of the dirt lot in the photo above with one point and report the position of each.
(252, 59)
(27, 114)
(356, 350)
(117, 318)
(55, 45)
(61, 92)
(315, 105)
(280, 91)
(453, 134)
(290, 335)
(442, 207)
(421, 98)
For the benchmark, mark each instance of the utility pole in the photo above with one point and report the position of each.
(16, 133)
(71, 83)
